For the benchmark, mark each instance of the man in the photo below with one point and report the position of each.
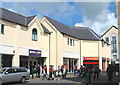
(38, 71)
(96, 72)
(110, 71)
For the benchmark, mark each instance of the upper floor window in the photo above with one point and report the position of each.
(114, 40)
(71, 42)
(68, 41)
(114, 57)
(114, 50)
(2, 29)
(107, 39)
(34, 34)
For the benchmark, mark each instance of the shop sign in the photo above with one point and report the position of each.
(90, 62)
(35, 52)
(90, 58)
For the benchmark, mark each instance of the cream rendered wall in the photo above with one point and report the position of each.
(25, 38)
(69, 48)
(53, 42)
(71, 51)
(58, 45)
(59, 60)
(9, 33)
(21, 37)
(89, 48)
(104, 52)
(112, 32)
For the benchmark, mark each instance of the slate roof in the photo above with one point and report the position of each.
(45, 29)
(14, 17)
(83, 33)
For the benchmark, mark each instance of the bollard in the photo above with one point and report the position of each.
(88, 78)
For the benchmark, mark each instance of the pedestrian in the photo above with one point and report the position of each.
(33, 72)
(38, 71)
(75, 68)
(81, 71)
(64, 72)
(109, 72)
(114, 70)
(44, 73)
(50, 73)
(96, 72)
(45, 68)
(41, 71)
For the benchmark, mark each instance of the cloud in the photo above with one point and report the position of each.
(97, 16)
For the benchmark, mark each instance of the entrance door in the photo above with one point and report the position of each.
(32, 65)
(70, 65)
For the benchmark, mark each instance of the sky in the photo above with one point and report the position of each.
(99, 16)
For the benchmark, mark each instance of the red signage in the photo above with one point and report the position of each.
(90, 58)
(90, 62)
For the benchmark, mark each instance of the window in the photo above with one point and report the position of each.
(107, 39)
(34, 34)
(114, 57)
(114, 49)
(2, 29)
(11, 70)
(68, 41)
(113, 40)
(71, 42)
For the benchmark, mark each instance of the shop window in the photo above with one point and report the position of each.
(2, 29)
(34, 34)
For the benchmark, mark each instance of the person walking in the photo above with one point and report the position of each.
(109, 72)
(44, 73)
(64, 72)
(75, 68)
(50, 73)
(38, 71)
(96, 72)
(41, 71)
(33, 72)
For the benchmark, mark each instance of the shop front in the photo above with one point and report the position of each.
(33, 59)
(6, 60)
(90, 61)
(70, 62)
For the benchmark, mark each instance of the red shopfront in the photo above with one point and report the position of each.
(91, 61)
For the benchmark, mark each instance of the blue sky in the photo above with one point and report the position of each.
(99, 16)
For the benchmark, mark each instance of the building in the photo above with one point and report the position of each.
(111, 37)
(27, 41)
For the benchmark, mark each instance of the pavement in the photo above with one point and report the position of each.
(72, 80)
